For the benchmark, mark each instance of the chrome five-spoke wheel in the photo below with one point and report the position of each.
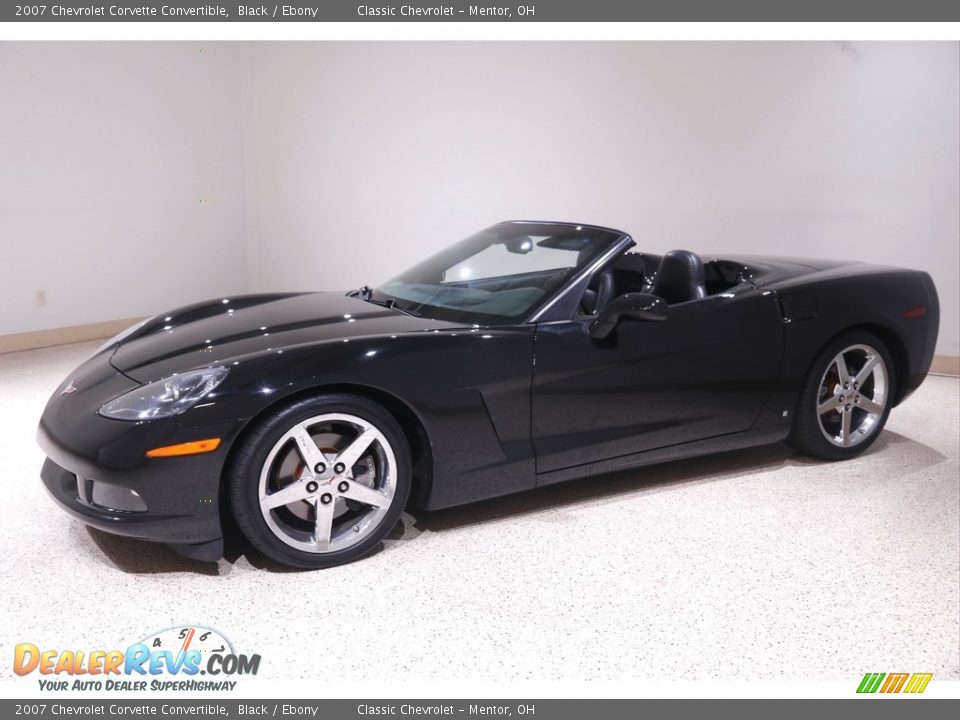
(327, 482)
(853, 395)
(846, 398)
(323, 481)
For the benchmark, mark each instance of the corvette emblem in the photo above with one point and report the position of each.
(70, 389)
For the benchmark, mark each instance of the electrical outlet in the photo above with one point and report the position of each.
(41, 297)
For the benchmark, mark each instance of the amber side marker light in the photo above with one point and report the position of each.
(918, 312)
(188, 448)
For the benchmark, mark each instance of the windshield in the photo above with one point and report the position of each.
(498, 275)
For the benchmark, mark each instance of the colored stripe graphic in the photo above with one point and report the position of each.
(894, 682)
(870, 682)
(918, 682)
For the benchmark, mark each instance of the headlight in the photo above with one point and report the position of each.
(163, 398)
(122, 335)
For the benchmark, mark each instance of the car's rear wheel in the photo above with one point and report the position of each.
(846, 398)
(322, 481)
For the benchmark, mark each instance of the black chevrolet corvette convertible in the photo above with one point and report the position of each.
(528, 354)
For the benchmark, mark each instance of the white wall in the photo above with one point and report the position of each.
(121, 179)
(369, 155)
(138, 176)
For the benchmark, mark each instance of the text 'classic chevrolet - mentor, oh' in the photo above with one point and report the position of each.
(527, 354)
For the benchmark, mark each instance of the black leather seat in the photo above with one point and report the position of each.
(680, 277)
(632, 272)
(599, 293)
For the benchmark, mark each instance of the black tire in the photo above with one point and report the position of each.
(808, 435)
(244, 476)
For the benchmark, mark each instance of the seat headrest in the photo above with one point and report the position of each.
(632, 262)
(680, 277)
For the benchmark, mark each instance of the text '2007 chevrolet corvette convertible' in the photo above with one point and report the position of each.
(527, 354)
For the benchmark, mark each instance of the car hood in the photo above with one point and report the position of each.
(221, 331)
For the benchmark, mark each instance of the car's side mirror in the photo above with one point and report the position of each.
(632, 306)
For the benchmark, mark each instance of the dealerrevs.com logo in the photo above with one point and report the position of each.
(190, 657)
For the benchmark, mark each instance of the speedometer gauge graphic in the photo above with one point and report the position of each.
(177, 640)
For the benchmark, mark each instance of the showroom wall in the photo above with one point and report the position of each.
(139, 176)
(366, 156)
(121, 180)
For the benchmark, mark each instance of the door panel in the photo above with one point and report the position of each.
(704, 371)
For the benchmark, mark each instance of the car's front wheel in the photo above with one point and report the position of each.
(322, 481)
(846, 398)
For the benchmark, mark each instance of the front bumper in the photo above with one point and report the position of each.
(178, 497)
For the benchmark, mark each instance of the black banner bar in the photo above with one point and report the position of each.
(872, 708)
(493, 11)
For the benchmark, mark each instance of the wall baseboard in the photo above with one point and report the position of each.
(942, 364)
(63, 335)
(945, 365)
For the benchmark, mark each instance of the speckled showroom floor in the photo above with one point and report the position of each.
(756, 564)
